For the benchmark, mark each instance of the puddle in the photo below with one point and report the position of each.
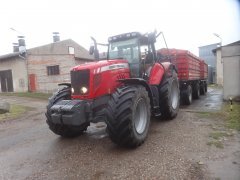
(97, 130)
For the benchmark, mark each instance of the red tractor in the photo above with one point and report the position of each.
(124, 91)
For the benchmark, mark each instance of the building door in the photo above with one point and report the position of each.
(6, 81)
(32, 82)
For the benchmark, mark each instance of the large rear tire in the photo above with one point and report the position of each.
(169, 96)
(60, 129)
(128, 116)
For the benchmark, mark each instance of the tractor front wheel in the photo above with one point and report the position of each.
(128, 116)
(61, 129)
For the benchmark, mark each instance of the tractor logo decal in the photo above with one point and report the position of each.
(114, 67)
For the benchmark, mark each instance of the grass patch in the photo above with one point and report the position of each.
(212, 85)
(217, 144)
(231, 118)
(217, 135)
(215, 86)
(15, 111)
(43, 96)
(204, 114)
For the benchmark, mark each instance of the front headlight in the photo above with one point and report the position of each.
(83, 90)
(72, 90)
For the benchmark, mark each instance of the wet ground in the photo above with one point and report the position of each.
(175, 149)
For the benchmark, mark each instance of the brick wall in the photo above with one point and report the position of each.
(37, 64)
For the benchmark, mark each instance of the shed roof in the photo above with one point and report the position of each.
(8, 56)
(231, 44)
(56, 48)
(59, 48)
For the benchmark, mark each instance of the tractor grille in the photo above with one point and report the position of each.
(80, 79)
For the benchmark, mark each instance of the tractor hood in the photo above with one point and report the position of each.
(104, 64)
(97, 79)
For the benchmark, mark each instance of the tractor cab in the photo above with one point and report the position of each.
(137, 49)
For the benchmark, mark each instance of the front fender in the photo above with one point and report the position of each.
(139, 81)
(65, 84)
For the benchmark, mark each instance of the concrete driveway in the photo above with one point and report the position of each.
(175, 149)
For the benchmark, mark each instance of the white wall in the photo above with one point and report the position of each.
(231, 71)
(219, 68)
(19, 73)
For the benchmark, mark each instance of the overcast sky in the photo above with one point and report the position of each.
(187, 24)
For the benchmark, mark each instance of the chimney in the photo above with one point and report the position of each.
(21, 44)
(15, 47)
(56, 37)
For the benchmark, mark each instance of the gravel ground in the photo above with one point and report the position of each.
(175, 149)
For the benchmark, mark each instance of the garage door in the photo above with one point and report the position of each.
(6, 81)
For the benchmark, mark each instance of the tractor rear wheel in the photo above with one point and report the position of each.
(128, 116)
(169, 96)
(61, 129)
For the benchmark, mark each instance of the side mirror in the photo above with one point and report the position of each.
(91, 50)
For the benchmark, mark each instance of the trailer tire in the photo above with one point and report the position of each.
(128, 116)
(187, 95)
(202, 89)
(206, 87)
(169, 96)
(196, 91)
(61, 129)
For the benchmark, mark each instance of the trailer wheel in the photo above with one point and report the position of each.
(60, 129)
(205, 86)
(202, 89)
(196, 91)
(187, 95)
(128, 116)
(169, 96)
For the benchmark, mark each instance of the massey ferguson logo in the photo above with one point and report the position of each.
(112, 67)
(117, 66)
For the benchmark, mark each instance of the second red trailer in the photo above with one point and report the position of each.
(192, 72)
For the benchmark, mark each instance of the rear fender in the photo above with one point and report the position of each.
(156, 74)
(169, 68)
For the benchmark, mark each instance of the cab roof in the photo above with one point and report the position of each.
(121, 37)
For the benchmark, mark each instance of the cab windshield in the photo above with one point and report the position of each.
(127, 49)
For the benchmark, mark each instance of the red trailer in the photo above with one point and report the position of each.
(192, 72)
(203, 70)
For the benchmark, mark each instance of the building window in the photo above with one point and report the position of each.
(70, 50)
(53, 70)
